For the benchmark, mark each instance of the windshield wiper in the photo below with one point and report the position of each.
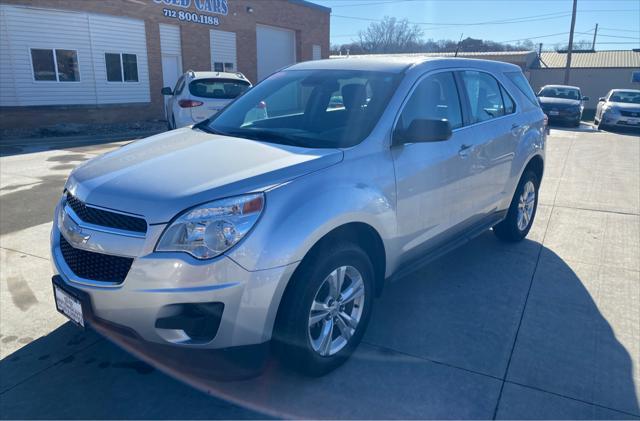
(208, 129)
(269, 136)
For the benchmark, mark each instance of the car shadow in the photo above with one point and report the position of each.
(439, 345)
(624, 131)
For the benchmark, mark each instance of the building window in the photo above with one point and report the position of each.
(316, 52)
(121, 67)
(228, 67)
(218, 66)
(55, 65)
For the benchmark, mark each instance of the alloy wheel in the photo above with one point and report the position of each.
(336, 310)
(526, 205)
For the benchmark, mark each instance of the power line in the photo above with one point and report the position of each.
(608, 36)
(546, 16)
(622, 30)
(536, 37)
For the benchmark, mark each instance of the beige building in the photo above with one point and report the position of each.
(594, 72)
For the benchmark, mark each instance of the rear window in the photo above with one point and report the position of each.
(523, 85)
(218, 88)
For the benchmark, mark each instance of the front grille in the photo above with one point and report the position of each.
(95, 266)
(630, 113)
(105, 218)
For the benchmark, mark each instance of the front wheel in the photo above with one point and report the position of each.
(522, 211)
(325, 311)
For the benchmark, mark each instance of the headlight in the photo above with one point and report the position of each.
(209, 230)
(612, 110)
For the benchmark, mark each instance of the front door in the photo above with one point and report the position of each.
(430, 177)
(171, 71)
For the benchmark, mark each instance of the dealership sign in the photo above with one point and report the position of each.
(207, 6)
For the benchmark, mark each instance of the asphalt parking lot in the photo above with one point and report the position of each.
(547, 328)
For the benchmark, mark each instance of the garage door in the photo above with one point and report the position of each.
(276, 49)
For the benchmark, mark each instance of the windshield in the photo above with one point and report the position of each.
(629, 97)
(218, 88)
(555, 92)
(310, 108)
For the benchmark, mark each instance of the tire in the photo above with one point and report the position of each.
(298, 338)
(510, 229)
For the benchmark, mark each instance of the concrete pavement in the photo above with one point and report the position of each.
(547, 328)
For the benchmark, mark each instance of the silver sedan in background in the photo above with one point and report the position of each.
(621, 108)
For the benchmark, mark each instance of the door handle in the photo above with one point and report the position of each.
(464, 150)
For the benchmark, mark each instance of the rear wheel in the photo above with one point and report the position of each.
(325, 311)
(522, 211)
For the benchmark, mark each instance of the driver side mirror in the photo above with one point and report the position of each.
(166, 91)
(423, 130)
(585, 98)
(601, 99)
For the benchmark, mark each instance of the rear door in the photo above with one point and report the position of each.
(491, 139)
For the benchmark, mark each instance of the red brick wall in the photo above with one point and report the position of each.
(311, 26)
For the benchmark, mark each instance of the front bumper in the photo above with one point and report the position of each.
(619, 120)
(158, 284)
(564, 116)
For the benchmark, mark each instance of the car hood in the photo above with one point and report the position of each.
(562, 102)
(625, 106)
(162, 175)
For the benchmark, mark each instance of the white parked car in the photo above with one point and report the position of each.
(199, 95)
(621, 108)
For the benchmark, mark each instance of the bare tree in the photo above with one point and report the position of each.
(582, 45)
(391, 36)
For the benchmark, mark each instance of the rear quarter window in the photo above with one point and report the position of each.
(523, 85)
(218, 88)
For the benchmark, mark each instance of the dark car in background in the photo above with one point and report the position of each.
(562, 104)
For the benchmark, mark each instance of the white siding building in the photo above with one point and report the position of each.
(84, 38)
(106, 61)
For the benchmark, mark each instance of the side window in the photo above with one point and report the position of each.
(521, 82)
(435, 98)
(55, 65)
(509, 105)
(485, 98)
(121, 67)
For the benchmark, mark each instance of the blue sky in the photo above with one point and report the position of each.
(619, 20)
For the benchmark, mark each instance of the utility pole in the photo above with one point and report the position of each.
(595, 34)
(567, 69)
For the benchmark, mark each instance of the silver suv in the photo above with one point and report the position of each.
(285, 225)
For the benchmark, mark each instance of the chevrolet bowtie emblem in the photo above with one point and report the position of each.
(73, 231)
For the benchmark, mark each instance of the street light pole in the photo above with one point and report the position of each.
(567, 69)
(595, 34)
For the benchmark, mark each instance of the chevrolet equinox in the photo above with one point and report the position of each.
(281, 227)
